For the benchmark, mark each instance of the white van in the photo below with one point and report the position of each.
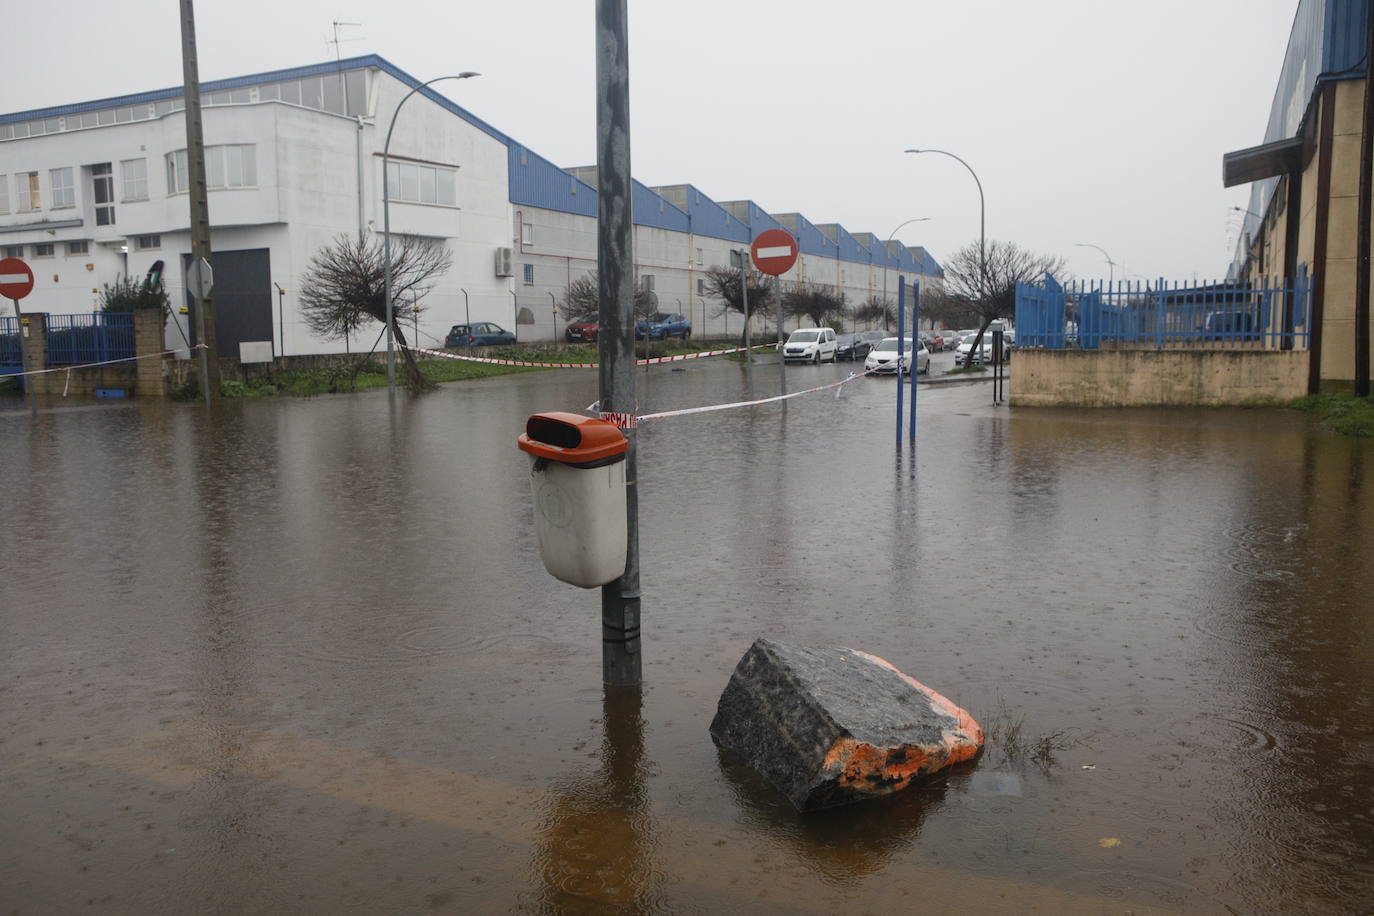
(810, 345)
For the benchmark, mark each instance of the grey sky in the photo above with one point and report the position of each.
(1087, 120)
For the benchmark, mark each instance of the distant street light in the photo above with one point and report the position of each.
(892, 235)
(386, 227)
(982, 217)
(1110, 263)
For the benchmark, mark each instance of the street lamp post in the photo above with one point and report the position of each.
(982, 218)
(386, 228)
(890, 236)
(1111, 265)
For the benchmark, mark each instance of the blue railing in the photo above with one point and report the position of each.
(1215, 316)
(11, 354)
(94, 338)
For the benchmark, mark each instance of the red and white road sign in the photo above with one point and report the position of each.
(16, 279)
(774, 251)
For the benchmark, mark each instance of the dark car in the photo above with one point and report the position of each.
(581, 331)
(852, 346)
(478, 334)
(1228, 326)
(662, 325)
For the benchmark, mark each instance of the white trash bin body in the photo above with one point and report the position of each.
(577, 479)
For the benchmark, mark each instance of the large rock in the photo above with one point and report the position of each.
(828, 725)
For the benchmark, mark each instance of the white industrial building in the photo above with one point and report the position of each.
(94, 190)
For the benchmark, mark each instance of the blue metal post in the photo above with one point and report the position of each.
(901, 336)
(915, 336)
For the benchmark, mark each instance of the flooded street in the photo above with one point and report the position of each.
(300, 656)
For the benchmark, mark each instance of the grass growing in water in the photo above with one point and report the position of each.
(1007, 730)
(1345, 413)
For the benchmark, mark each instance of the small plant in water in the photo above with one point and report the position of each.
(1007, 730)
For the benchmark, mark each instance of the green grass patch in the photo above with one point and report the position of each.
(967, 370)
(1345, 413)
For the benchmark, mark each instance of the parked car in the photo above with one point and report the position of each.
(478, 334)
(810, 345)
(852, 346)
(951, 339)
(581, 331)
(662, 325)
(873, 337)
(883, 359)
(932, 341)
(964, 355)
(1228, 326)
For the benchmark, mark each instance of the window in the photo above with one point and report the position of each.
(699, 260)
(526, 234)
(135, 179)
(232, 166)
(529, 274)
(82, 247)
(701, 287)
(422, 184)
(144, 242)
(647, 282)
(26, 196)
(63, 193)
(102, 194)
(45, 250)
(4, 194)
(14, 251)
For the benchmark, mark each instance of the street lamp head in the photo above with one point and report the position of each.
(466, 74)
(913, 151)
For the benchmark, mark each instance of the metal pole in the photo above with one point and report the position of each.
(554, 301)
(386, 228)
(982, 218)
(915, 337)
(281, 321)
(782, 361)
(744, 300)
(1362, 229)
(200, 211)
(901, 343)
(620, 608)
(467, 312)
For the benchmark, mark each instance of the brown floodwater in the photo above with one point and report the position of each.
(300, 656)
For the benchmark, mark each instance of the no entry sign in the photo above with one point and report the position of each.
(774, 251)
(16, 279)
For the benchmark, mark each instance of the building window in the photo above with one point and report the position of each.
(421, 184)
(4, 193)
(102, 194)
(647, 282)
(63, 191)
(135, 179)
(699, 260)
(82, 247)
(529, 274)
(14, 251)
(145, 242)
(231, 166)
(701, 287)
(526, 234)
(26, 196)
(45, 250)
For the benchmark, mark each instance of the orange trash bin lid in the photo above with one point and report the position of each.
(571, 438)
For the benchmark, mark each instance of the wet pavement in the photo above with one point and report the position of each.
(300, 656)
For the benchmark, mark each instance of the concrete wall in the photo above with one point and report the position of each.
(1157, 378)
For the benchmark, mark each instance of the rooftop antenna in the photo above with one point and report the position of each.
(343, 85)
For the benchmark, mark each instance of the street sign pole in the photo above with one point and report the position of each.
(16, 282)
(773, 252)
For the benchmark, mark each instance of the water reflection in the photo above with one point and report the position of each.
(597, 840)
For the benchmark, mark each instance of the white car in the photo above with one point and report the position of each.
(963, 352)
(810, 345)
(882, 359)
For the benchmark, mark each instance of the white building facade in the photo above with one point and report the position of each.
(93, 191)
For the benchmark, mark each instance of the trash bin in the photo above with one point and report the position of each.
(577, 477)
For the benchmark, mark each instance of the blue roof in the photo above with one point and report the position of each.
(847, 247)
(705, 216)
(810, 240)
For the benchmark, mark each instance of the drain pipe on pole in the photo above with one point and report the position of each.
(620, 639)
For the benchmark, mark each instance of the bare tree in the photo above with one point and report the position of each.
(948, 310)
(988, 288)
(877, 310)
(723, 283)
(582, 300)
(817, 301)
(345, 287)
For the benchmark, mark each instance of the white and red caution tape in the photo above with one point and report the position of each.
(108, 362)
(632, 421)
(654, 361)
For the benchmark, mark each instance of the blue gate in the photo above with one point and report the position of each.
(1220, 316)
(11, 354)
(97, 337)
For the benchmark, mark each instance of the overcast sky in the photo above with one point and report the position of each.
(1099, 121)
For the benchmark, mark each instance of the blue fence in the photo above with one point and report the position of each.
(11, 357)
(1219, 316)
(94, 338)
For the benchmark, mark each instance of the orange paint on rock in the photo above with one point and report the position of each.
(969, 728)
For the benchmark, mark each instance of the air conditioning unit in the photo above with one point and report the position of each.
(503, 268)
